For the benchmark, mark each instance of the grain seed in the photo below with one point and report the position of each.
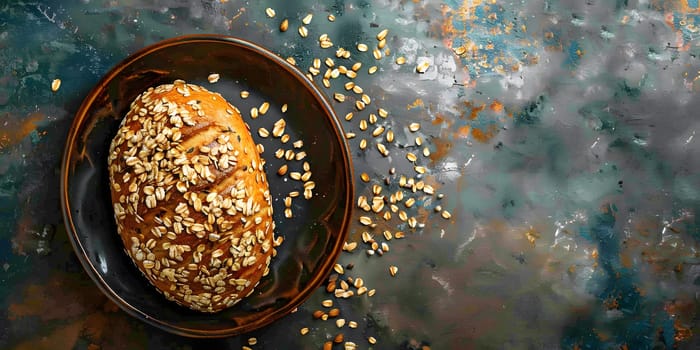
(420, 169)
(270, 12)
(363, 125)
(254, 112)
(278, 128)
(263, 132)
(252, 341)
(364, 177)
(288, 213)
(282, 170)
(400, 60)
(381, 44)
(338, 338)
(245, 94)
(55, 85)
(413, 127)
(264, 107)
(359, 105)
(363, 144)
(340, 322)
(382, 149)
(372, 340)
(327, 303)
(377, 54)
(331, 18)
(387, 235)
(349, 247)
(349, 135)
(362, 47)
(307, 19)
(409, 202)
(390, 136)
(372, 118)
(372, 70)
(366, 99)
(365, 220)
(411, 157)
(393, 270)
(284, 25)
(349, 116)
(357, 89)
(213, 78)
(352, 324)
(339, 97)
(325, 44)
(381, 35)
(303, 32)
(338, 268)
(422, 67)
(445, 214)
(289, 154)
(304, 331)
(349, 85)
(378, 131)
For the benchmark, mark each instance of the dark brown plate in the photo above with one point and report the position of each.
(313, 238)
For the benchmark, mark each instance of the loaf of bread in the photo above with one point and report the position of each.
(190, 196)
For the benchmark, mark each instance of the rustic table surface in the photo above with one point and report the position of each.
(559, 136)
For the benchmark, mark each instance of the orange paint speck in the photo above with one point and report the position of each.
(442, 147)
(682, 333)
(484, 136)
(496, 107)
(439, 119)
(415, 104)
(14, 131)
(463, 131)
(475, 110)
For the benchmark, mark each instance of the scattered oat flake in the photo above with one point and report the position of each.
(284, 25)
(55, 85)
(270, 12)
(213, 78)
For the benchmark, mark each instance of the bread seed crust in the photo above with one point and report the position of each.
(190, 196)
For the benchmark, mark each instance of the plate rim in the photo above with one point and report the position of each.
(80, 118)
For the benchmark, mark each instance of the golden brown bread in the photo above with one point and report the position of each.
(190, 197)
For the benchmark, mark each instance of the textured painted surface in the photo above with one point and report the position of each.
(564, 137)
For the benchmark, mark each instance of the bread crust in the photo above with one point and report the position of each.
(190, 196)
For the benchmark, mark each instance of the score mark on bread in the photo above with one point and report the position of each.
(190, 196)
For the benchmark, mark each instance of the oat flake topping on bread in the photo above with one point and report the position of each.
(190, 196)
